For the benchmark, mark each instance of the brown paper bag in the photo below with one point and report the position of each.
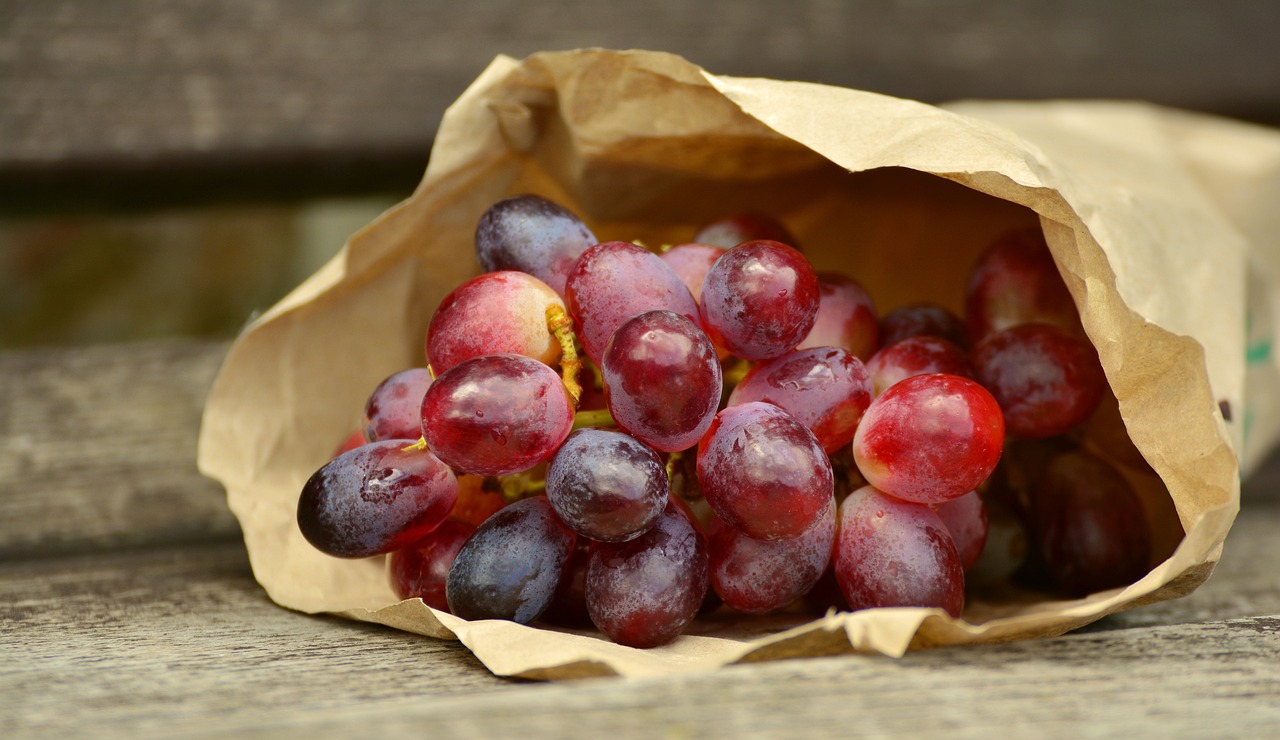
(1135, 203)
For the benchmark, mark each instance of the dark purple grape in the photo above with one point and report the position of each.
(496, 414)
(662, 380)
(825, 388)
(644, 592)
(757, 577)
(763, 472)
(606, 485)
(419, 571)
(614, 281)
(568, 606)
(394, 409)
(511, 566)
(531, 234)
(922, 320)
(374, 499)
(894, 553)
(1088, 525)
(759, 300)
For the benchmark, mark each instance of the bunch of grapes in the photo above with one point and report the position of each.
(611, 435)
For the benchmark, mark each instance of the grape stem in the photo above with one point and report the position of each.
(561, 327)
(418, 446)
(593, 418)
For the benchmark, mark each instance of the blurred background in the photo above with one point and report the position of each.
(170, 168)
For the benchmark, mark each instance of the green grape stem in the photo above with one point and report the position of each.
(561, 326)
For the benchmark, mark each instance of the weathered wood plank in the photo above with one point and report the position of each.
(182, 641)
(97, 448)
(186, 84)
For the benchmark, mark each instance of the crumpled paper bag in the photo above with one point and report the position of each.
(1158, 221)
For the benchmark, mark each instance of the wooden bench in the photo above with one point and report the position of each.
(127, 606)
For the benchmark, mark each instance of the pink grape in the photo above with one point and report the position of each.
(825, 388)
(531, 234)
(966, 520)
(512, 565)
(419, 571)
(918, 355)
(644, 592)
(1089, 525)
(846, 317)
(756, 576)
(922, 319)
(691, 262)
(895, 553)
(763, 472)
(1046, 380)
(759, 300)
(662, 380)
(744, 226)
(930, 438)
(614, 281)
(374, 499)
(496, 414)
(1016, 281)
(394, 409)
(606, 485)
(494, 313)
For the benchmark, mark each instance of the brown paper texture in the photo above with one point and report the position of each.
(1149, 213)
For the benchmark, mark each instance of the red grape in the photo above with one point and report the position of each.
(394, 409)
(691, 262)
(930, 438)
(825, 388)
(497, 414)
(353, 440)
(757, 576)
(498, 312)
(1016, 282)
(846, 317)
(419, 571)
(662, 380)
(745, 226)
(895, 553)
(966, 520)
(1088, 524)
(763, 472)
(759, 300)
(922, 319)
(919, 355)
(644, 592)
(1046, 380)
(606, 485)
(511, 566)
(614, 281)
(374, 499)
(531, 234)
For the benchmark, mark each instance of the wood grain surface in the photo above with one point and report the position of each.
(99, 448)
(345, 95)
